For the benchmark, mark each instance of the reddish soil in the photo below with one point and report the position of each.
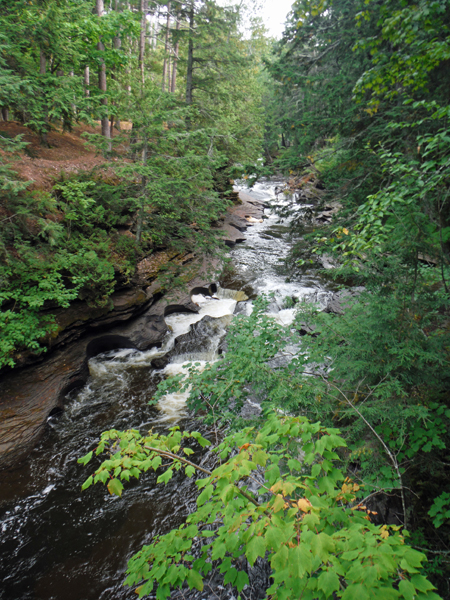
(67, 153)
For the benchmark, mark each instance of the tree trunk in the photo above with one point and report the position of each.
(117, 44)
(42, 63)
(175, 57)
(86, 82)
(168, 71)
(140, 220)
(5, 113)
(166, 50)
(190, 60)
(102, 79)
(144, 10)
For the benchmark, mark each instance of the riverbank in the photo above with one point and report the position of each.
(134, 318)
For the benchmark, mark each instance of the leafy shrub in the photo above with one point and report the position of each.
(302, 519)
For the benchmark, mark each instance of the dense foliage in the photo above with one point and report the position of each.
(169, 180)
(299, 519)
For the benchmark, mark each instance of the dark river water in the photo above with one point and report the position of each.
(60, 543)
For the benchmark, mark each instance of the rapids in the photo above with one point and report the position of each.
(63, 544)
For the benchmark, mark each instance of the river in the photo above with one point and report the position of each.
(63, 544)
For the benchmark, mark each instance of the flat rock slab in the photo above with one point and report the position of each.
(239, 217)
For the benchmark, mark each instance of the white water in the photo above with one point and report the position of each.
(113, 367)
(257, 262)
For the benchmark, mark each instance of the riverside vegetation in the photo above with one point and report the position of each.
(354, 96)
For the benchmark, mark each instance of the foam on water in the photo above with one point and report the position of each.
(179, 323)
(173, 406)
(113, 368)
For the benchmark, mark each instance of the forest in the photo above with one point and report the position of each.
(175, 101)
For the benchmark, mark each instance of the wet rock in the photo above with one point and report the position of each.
(201, 338)
(334, 305)
(259, 578)
(326, 215)
(337, 302)
(328, 262)
(386, 509)
(223, 347)
(161, 362)
(306, 329)
(231, 237)
(236, 221)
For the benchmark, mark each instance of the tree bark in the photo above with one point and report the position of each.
(42, 63)
(117, 44)
(166, 50)
(140, 219)
(86, 81)
(175, 57)
(102, 78)
(144, 10)
(190, 60)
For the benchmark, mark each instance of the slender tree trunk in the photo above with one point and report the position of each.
(190, 59)
(154, 31)
(144, 10)
(117, 44)
(5, 113)
(102, 78)
(166, 50)
(140, 220)
(86, 81)
(73, 105)
(168, 71)
(42, 63)
(175, 57)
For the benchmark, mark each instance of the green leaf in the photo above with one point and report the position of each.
(278, 503)
(279, 559)
(195, 580)
(407, 589)
(241, 581)
(165, 477)
(321, 545)
(87, 483)
(230, 576)
(85, 459)
(355, 592)
(256, 547)
(328, 582)
(300, 560)
(421, 583)
(205, 495)
(189, 470)
(115, 487)
(260, 458)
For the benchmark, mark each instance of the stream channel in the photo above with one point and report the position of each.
(60, 543)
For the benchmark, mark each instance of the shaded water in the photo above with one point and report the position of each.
(59, 543)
